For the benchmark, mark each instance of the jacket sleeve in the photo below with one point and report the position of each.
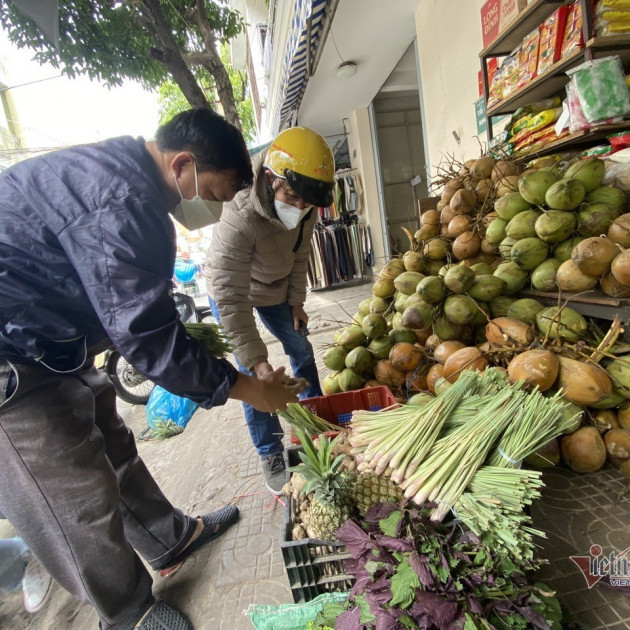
(123, 253)
(231, 256)
(297, 277)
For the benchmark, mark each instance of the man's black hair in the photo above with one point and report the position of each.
(216, 144)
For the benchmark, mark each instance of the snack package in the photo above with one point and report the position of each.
(551, 38)
(535, 123)
(613, 22)
(573, 37)
(620, 140)
(529, 57)
(607, 5)
(540, 138)
(511, 73)
(601, 88)
(495, 94)
(601, 150)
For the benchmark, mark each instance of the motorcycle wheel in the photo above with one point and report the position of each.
(129, 384)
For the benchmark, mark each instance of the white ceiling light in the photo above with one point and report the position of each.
(347, 69)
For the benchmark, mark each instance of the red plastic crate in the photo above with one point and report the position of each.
(338, 408)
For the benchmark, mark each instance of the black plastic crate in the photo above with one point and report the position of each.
(313, 566)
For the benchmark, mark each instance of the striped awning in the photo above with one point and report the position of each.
(308, 21)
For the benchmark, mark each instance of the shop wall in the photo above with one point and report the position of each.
(449, 41)
(361, 152)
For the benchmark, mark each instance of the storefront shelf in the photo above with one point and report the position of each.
(525, 22)
(554, 80)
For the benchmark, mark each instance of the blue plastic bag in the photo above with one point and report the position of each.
(164, 406)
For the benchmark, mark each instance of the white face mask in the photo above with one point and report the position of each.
(196, 213)
(290, 215)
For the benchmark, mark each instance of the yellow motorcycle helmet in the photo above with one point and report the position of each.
(305, 160)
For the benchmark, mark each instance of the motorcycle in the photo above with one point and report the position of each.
(130, 385)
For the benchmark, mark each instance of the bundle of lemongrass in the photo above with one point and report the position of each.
(493, 508)
(300, 417)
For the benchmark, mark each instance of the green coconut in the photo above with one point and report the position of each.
(459, 278)
(570, 413)
(374, 326)
(378, 305)
(534, 186)
(351, 337)
(508, 206)
(505, 248)
(565, 195)
(421, 399)
(562, 251)
(359, 359)
(547, 456)
(337, 334)
(379, 348)
(500, 306)
(460, 310)
(495, 232)
(565, 323)
(393, 268)
(486, 287)
(522, 225)
(528, 253)
(619, 372)
(396, 320)
(407, 282)
(441, 385)
(612, 401)
(544, 276)
(431, 289)
(417, 317)
(555, 226)
(349, 380)
(433, 267)
(364, 306)
(330, 384)
(383, 288)
(553, 169)
(513, 276)
(335, 358)
(525, 310)
(357, 318)
(595, 219)
(482, 315)
(412, 299)
(445, 330)
(402, 335)
(590, 172)
(413, 261)
(400, 300)
(482, 269)
(611, 195)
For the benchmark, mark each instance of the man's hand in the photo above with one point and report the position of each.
(267, 393)
(261, 368)
(299, 316)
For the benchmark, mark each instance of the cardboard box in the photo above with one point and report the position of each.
(496, 15)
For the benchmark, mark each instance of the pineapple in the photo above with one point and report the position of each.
(370, 488)
(331, 502)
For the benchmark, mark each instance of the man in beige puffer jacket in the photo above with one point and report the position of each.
(258, 259)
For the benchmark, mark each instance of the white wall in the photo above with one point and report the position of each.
(449, 40)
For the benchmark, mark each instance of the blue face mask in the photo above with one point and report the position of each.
(196, 213)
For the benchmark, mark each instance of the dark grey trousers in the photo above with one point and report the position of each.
(73, 486)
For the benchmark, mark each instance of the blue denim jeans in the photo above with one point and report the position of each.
(265, 428)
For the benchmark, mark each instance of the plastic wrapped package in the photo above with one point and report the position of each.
(620, 140)
(573, 37)
(608, 5)
(495, 93)
(601, 150)
(551, 38)
(529, 57)
(601, 88)
(613, 22)
(577, 120)
(617, 173)
(535, 123)
(511, 69)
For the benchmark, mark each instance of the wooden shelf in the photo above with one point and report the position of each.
(552, 81)
(580, 138)
(525, 22)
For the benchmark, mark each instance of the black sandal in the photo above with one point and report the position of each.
(162, 617)
(224, 518)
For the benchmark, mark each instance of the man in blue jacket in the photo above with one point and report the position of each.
(87, 248)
